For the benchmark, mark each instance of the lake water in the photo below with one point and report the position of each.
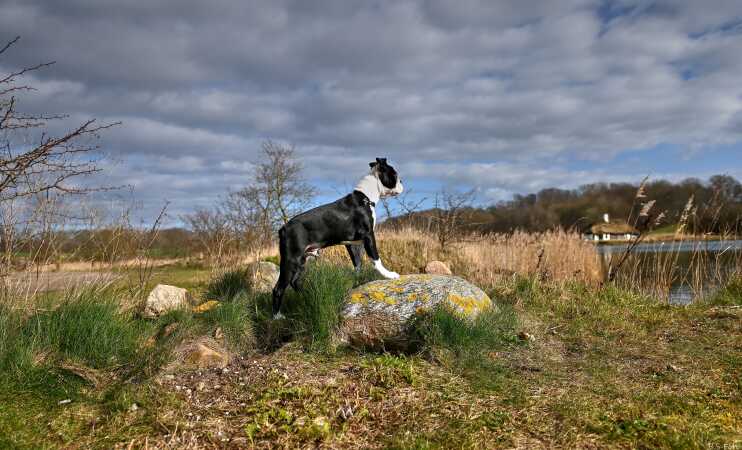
(721, 254)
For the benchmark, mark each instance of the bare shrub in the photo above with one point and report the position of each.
(244, 222)
(212, 232)
(39, 171)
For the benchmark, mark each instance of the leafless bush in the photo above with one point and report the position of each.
(449, 214)
(212, 232)
(279, 190)
(38, 171)
(245, 221)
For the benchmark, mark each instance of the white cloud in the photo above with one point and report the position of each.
(499, 94)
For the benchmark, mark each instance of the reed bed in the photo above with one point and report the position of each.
(488, 259)
(558, 256)
(700, 272)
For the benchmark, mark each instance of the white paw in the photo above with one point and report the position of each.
(278, 316)
(391, 275)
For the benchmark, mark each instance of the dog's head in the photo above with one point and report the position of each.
(390, 182)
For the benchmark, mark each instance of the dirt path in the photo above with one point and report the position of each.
(53, 281)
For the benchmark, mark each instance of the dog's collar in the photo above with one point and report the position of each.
(365, 199)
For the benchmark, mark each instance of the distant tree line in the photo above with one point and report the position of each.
(715, 206)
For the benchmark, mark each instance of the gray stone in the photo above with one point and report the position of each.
(378, 314)
(164, 298)
(263, 275)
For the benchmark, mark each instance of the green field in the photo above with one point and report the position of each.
(560, 365)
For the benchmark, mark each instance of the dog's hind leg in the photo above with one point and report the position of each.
(291, 263)
(289, 269)
(297, 279)
(356, 254)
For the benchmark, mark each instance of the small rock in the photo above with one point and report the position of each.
(204, 357)
(206, 306)
(65, 401)
(523, 336)
(437, 268)
(134, 407)
(164, 298)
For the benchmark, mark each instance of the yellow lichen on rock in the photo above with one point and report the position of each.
(206, 306)
(379, 311)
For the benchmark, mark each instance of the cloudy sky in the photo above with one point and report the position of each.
(505, 96)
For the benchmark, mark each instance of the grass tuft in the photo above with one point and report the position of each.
(467, 345)
(235, 320)
(729, 295)
(314, 312)
(228, 285)
(87, 326)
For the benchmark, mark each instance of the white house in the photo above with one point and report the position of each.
(611, 231)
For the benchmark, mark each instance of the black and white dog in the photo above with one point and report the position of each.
(349, 221)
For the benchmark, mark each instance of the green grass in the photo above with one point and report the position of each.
(467, 345)
(314, 312)
(730, 295)
(228, 285)
(606, 368)
(86, 328)
(235, 319)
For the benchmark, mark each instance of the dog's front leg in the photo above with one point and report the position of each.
(369, 243)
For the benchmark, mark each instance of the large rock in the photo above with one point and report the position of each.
(378, 314)
(263, 275)
(437, 268)
(164, 298)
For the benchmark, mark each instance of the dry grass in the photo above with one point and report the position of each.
(487, 259)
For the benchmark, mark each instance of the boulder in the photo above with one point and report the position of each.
(263, 275)
(378, 314)
(437, 268)
(164, 298)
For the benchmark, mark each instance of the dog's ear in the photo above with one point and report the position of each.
(381, 161)
(372, 164)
